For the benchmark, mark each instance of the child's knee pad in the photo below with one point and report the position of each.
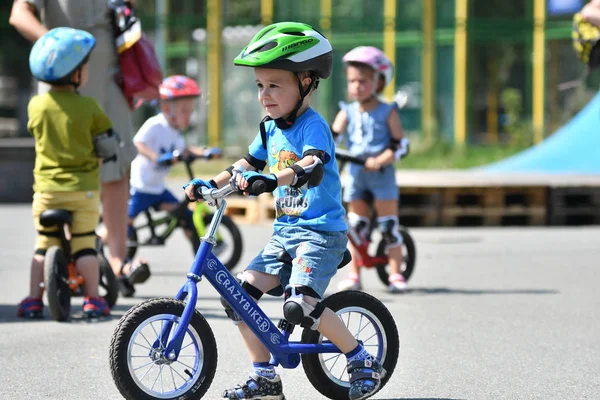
(390, 231)
(359, 224)
(299, 312)
(252, 290)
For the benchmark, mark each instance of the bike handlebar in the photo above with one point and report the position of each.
(346, 156)
(214, 194)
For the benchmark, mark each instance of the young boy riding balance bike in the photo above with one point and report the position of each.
(296, 144)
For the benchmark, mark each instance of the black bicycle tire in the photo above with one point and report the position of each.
(132, 249)
(108, 280)
(128, 324)
(310, 362)
(57, 291)
(411, 251)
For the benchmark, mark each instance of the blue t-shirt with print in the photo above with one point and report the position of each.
(319, 207)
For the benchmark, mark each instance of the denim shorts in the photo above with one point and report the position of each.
(381, 184)
(316, 256)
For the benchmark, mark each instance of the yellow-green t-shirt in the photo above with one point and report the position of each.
(63, 125)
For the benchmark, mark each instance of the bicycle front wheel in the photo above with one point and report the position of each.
(141, 370)
(371, 323)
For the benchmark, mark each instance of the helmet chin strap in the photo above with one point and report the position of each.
(287, 122)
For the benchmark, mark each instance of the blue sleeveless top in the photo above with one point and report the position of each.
(367, 132)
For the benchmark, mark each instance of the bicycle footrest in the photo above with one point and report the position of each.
(286, 326)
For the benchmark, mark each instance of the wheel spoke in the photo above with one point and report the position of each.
(173, 377)
(143, 376)
(149, 344)
(187, 345)
(162, 388)
(335, 362)
(141, 345)
(331, 358)
(157, 334)
(186, 365)
(369, 338)
(156, 380)
(181, 376)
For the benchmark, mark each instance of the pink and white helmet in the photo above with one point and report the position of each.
(374, 58)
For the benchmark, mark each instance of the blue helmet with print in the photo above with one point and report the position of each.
(59, 52)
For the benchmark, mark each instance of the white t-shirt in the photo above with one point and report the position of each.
(156, 134)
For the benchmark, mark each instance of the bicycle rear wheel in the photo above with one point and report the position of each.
(56, 273)
(371, 323)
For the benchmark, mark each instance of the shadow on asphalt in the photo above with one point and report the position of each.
(446, 290)
(8, 314)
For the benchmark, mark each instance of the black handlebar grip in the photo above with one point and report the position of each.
(258, 187)
(198, 192)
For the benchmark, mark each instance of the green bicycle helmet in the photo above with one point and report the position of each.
(289, 46)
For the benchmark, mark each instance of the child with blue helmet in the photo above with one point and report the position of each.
(373, 131)
(295, 144)
(71, 133)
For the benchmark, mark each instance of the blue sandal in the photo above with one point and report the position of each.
(365, 378)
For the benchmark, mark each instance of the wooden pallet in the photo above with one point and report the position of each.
(574, 206)
(498, 197)
(493, 216)
(243, 209)
(418, 216)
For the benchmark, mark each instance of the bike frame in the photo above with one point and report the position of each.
(206, 264)
(364, 259)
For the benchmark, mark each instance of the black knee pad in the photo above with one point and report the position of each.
(298, 312)
(252, 290)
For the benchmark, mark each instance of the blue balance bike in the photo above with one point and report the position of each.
(165, 349)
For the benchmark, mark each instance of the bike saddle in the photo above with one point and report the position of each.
(285, 258)
(55, 217)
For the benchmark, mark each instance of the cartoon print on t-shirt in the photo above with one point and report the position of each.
(293, 201)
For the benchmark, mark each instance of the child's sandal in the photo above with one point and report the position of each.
(365, 378)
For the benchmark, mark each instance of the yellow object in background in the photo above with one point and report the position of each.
(585, 36)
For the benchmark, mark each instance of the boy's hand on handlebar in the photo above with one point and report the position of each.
(193, 189)
(246, 180)
(212, 152)
(372, 164)
(167, 159)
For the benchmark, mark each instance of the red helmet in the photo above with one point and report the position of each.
(178, 86)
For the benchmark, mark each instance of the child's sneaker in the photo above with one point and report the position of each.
(31, 308)
(352, 282)
(365, 378)
(397, 283)
(94, 307)
(257, 388)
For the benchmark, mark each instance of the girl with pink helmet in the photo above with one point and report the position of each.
(373, 130)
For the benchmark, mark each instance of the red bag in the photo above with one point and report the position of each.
(140, 72)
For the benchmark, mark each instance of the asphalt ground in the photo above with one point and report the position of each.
(504, 313)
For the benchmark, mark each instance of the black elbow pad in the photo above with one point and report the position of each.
(255, 162)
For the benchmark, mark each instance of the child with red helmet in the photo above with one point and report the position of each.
(160, 144)
(373, 130)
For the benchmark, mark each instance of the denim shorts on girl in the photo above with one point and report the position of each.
(381, 184)
(316, 256)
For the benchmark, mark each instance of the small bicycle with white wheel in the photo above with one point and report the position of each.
(165, 349)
